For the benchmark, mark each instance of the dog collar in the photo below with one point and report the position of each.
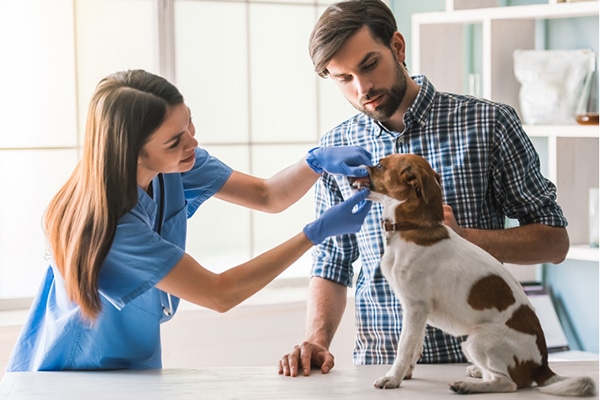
(389, 226)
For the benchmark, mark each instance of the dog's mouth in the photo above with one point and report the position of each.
(360, 183)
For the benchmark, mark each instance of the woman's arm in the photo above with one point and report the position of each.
(221, 292)
(283, 189)
(192, 282)
(273, 194)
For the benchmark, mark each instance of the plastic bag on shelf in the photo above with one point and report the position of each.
(551, 83)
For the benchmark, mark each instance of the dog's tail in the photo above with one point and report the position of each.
(565, 386)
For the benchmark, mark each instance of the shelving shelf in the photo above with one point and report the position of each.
(583, 252)
(440, 51)
(536, 11)
(566, 131)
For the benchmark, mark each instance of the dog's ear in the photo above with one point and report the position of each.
(421, 180)
(414, 178)
(422, 188)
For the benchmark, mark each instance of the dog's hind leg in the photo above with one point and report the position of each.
(410, 345)
(474, 371)
(496, 384)
(489, 363)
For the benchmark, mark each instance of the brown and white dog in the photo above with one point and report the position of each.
(446, 281)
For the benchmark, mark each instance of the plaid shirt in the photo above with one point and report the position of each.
(489, 171)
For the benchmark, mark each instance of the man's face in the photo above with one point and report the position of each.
(369, 75)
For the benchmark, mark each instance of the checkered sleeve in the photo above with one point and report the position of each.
(333, 258)
(520, 189)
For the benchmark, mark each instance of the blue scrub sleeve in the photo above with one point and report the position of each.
(206, 178)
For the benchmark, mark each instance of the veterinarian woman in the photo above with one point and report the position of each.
(117, 230)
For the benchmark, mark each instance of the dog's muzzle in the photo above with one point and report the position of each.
(360, 183)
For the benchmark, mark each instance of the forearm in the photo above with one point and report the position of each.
(274, 194)
(288, 185)
(527, 244)
(221, 292)
(325, 308)
(248, 278)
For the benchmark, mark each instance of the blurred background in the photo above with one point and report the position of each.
(244, 70)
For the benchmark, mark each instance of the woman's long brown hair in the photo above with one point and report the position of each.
(81, 220)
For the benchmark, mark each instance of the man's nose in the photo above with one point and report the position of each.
(363, 85)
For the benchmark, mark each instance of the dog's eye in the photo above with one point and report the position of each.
(379, 166)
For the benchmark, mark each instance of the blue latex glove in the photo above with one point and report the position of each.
(340, 219)
(339, 160)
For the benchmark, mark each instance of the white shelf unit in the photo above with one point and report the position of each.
(439, 52)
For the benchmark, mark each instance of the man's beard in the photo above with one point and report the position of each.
(395, 94)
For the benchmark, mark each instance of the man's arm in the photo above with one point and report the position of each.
(527, 244)
(325, 308)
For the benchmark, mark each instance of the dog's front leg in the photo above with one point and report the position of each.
(411, 342)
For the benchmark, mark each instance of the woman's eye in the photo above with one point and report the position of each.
(175, 143)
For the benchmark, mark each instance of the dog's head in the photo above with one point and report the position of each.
(410, 180)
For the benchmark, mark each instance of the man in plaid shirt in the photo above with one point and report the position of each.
(489, 170)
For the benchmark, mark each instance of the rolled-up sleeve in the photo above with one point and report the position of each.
(520, 188)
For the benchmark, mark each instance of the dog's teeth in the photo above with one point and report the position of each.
(360, 183)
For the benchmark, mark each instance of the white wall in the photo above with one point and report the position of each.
(242, 66)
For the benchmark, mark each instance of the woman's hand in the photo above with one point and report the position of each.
(340, 219)
(340, 160)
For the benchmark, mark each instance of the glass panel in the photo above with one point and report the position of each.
(113, 35)
(37, 106)
(219, 234)
(22, 240)
(270, 230)
(333, 106)
(212, 68)
(282, 76)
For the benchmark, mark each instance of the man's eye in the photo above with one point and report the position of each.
(370, 66)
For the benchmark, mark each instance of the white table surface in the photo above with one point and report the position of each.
(349, 382)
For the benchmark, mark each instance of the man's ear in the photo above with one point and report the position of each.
(398, 46)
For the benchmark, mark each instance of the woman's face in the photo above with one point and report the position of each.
(171, 148)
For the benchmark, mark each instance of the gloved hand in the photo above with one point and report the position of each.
(340, 219)
(339, 160)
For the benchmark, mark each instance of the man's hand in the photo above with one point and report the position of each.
(306, 356)
(450, 221)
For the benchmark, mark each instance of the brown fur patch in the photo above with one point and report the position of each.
(426, 236)
(522, 373)
(491, 292)
(410, 179)
(526, 321)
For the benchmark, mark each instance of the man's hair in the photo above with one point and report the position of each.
(342, 20)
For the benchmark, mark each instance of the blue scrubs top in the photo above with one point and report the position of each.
(126, 334)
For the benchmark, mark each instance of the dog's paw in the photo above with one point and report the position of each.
(460, 387)
(474, 371)
(387, 382)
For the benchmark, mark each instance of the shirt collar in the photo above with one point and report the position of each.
(421, 107)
